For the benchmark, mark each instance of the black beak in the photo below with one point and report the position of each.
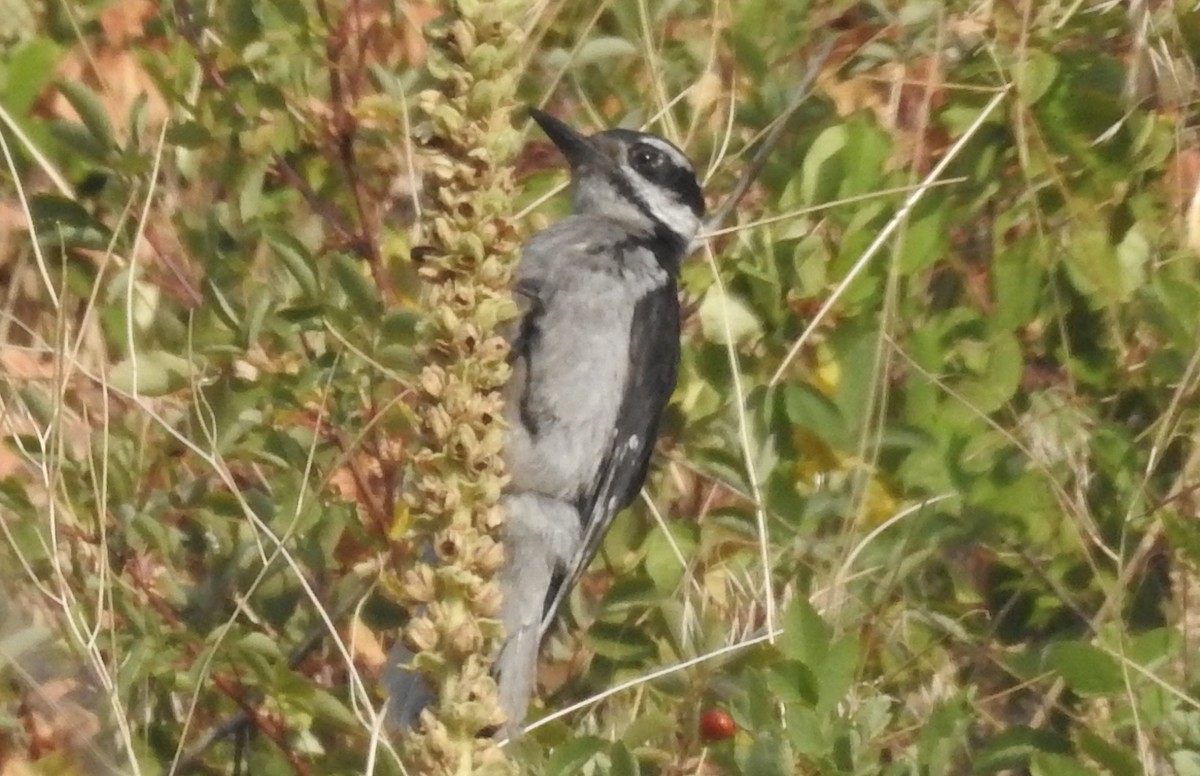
(576, 147)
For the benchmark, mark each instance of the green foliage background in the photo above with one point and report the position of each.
(935, 430)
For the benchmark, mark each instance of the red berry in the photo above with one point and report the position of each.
(717, 725)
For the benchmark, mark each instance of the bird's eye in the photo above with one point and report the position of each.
(648, 160)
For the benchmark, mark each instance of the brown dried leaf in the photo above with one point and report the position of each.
(110, 68)
(21, 364)
(365, 647)
(1182, 189)
(13, 764)
(55, 721)
(854, 94)
(1181, 178)
(707, 92)
(125, 21)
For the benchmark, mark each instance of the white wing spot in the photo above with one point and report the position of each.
(634, 442)
(612, 503)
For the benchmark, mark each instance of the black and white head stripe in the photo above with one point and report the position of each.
(658, 177)
(632, 177)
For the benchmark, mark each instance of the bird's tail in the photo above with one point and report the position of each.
(407, 691)
(541, 534)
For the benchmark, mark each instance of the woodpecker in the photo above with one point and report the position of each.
(595, 356)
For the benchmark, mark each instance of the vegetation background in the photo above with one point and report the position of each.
(935, 434)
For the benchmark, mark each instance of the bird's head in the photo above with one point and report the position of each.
(635, 178)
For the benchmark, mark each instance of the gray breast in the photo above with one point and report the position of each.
(563, 400)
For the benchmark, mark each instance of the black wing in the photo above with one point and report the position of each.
(522, 335)
(522, 339)
(653, 369)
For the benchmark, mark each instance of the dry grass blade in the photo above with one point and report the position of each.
(885, 233)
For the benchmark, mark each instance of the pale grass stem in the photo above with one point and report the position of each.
(650, 677)
(364, 706)
(842, 574)
(804, 211)
(131, 279)
(675, 550)
(35, 153)
(39, 257)
(743, 426)
(899, 218)
(85, 635)
(1128, 570)
(580, 41)
(1089, 531)
(653, 57)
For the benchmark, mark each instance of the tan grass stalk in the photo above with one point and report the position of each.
(463, 132)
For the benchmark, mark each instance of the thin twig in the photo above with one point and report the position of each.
(27, 212)
(757, 162)
(770, 140)
(650, 677)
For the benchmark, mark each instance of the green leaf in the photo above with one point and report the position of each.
(350, 275)
(27, 70)
(622, 762)
(807, 732)
(222, 305)
(1000, 377)
(1086, 669)
(943, 735)
(603, 49)
(835, 673)
(250, 192)
(151, 373)
(810, 409)
(1035, 74)
(1186, 762)
(1108, 754)
(1154, 646)
(331, 709)
(821, 172)
(662, 562)
(1015, 748)
(867, 149)
(245, 25)
(298, 260)
(91, 111)
(262, 644)
(62, 221)
(1019, 282)
(77, 140)
(619, 642)
(1046, 764)
(806, 637)
(926, 236)
(1133, 256)
(793, 682)
(1092, 263)
(768, 755)
(570, 758)
(725, 317)
(188, 134)
(1176, 299)
(650, 725)
(255, 317)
